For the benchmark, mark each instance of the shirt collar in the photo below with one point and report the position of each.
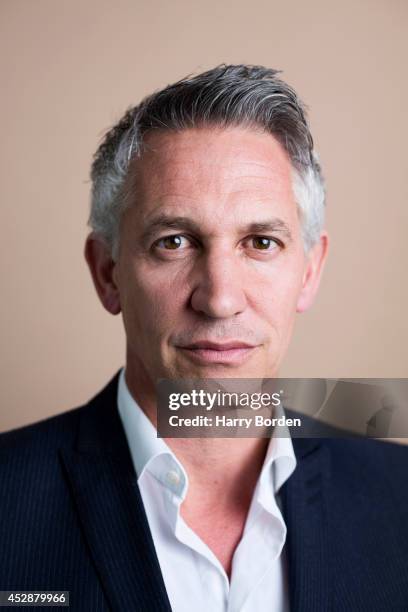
(152, 453)
(280, 455)
(147, 450)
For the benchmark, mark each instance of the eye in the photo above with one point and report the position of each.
(263, 243)
(172, 243)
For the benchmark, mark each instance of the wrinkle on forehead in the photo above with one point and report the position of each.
(200, 162)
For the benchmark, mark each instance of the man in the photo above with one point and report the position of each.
(207, 235)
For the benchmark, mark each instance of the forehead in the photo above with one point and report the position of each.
(213, 169)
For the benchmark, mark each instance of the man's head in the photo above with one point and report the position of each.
(207, 217)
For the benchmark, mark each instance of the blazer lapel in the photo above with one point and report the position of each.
(305, 510)
(111, 511)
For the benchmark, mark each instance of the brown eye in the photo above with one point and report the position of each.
(263, 244)
(171, 242)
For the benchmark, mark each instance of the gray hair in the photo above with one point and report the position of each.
(234, 95)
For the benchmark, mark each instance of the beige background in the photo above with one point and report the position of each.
(70, 68)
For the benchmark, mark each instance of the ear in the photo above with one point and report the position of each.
(102, 267)
(313, 271)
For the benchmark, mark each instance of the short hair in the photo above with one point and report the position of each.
(226, 96)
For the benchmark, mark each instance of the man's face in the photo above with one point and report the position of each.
(212, 268)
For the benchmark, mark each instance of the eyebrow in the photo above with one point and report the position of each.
(163, 221)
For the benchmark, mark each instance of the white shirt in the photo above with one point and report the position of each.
(193, 576)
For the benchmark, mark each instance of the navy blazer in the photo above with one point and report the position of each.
(72, 518)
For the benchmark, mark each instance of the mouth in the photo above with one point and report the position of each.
(226, 353)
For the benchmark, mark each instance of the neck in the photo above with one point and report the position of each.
(224, 469)
(220, 464)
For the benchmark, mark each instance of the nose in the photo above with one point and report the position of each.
(219, 290)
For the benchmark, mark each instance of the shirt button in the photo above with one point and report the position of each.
(173, 478)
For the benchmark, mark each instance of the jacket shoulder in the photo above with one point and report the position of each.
(373, 467)
(363, 450)
(49, 433)
(58, 430)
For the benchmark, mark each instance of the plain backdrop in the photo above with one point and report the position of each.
(69, 69)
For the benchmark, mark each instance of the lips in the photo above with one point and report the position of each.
(216, 346)
(233, 352)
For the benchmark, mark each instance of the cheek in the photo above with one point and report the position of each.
(276, 292)
(152, 301)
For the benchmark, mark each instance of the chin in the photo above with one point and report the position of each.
(223, 371)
